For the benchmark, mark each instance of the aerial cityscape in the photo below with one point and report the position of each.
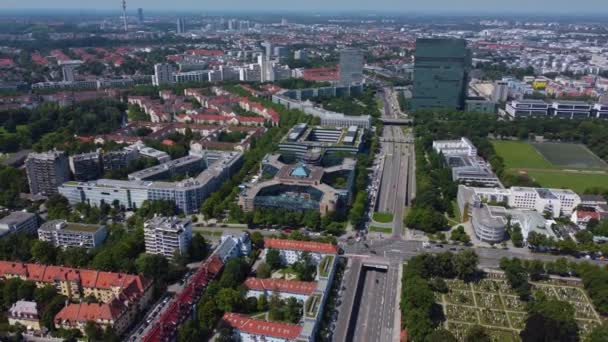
(331, 171)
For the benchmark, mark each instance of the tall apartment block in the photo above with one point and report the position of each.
(163, 74)
(46, 171)
(86, 166)
(441, 69)
(166, 235)
(351, 66)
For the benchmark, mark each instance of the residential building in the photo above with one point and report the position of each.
(78, 284)
(441, 68)
(249, 329)
(114, 315)
(121, 159)
(188, 165)
(86, 166)
(167, 235)
(68, 69)
(68, 234)
(351, 66)
(46, 171)
(300, 290)
(163, 74)
(24, 313)
(233, 246)
(150, 152)
(18, 222)
(291, 250)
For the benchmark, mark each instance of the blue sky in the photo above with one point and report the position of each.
(532, 6)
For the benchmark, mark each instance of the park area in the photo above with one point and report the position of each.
(557, 165)
(493, 304)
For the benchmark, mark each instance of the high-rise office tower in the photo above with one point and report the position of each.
(351, 66)
(181, 25)
(140, 15)
(267, 49)
(441, 69)
(124, 15)
(46, 171)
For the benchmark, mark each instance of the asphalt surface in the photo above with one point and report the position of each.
(397, 174)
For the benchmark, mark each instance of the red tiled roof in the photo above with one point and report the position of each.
(13, 268)
(84, 312)
(584, 214)
(281, 285)
(262, 328)
(309, 246)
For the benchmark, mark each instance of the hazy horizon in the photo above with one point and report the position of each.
(320, 6)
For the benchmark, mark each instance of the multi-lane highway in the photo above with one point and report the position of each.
(397, 180)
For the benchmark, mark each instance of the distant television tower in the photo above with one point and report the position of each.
(124, 13)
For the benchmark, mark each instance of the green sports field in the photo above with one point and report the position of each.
(558, 165)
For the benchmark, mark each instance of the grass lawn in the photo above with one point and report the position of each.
(383, 217)
(520, 154)
(575, 181)
(380, 230)
(569, 155)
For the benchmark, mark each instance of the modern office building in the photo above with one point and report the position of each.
(46, 171)
(441, 70)
(190, 165)
(555, 202)
(467, 167)
(500, 93)
(570, 109)
(68, 234)
(300, 187)
(167, 235)
(18, 222)
(479, 105)
(527, 108)
(302, 140)
(490, 222)
(163, 74)
(86, 166)
(351, 66)
(187, 194)
(181, 25)
(140, 15)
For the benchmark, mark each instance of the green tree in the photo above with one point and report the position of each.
(441, 335)
(58, 207)
(198, 248)
(465, 264)
(550, 320)
(234, 273)
(92, 331)
(598, 334)
(263, 271)
(153, 266)
(229, 300)
(44, 252)
(273, 259)
(477, 333)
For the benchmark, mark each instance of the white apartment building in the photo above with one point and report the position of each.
(233, 246)
(300, 290)
(167, 235)
(67, 234)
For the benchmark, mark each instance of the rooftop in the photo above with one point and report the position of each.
(70, 226)
(262, 328)
(281, 285)
(296, 245)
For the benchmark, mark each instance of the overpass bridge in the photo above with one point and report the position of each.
(396, 122)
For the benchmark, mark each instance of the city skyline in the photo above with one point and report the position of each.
(318, 6)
